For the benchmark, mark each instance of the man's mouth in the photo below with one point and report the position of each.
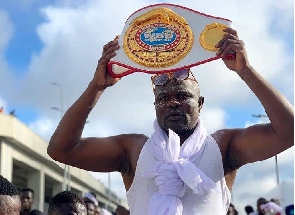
(174, 115)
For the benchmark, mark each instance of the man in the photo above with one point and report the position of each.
(91, 204)
(97, 210)
(190, 172)
(249, 210)
(27, 200)
(65, 203)
(90, 207)
(89, 196)
(9, 198)
(268, 207)
(232, 210)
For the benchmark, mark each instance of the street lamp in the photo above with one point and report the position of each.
(276, 157)
(109, 188)
(67, 175)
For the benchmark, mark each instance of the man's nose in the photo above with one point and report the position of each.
(173, 102)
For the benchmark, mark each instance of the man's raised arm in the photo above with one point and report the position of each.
(66, 144)
(262, 141)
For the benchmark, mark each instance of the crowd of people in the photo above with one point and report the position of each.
(14, 202)
(263, 207)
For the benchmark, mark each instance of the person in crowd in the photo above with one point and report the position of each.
(9, 198)
(180, 168)
(90, 196)
(260, 201)
(90, 207)
(27, 200)
(91, 203)
(232, 210)
(272, 207)
(268, 207)
(66, 203)
(97, 210)
(249, 210)
(289, 210)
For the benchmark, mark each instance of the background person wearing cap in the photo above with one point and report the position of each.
(205, 166)
(89, 196)
(91, 204)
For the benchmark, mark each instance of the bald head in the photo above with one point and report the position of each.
(9, 198)
(65, 203)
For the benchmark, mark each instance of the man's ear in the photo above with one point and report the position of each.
(201, 102)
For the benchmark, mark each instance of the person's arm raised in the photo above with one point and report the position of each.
(95, 154)
(262, 141)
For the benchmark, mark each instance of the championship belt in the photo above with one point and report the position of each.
(164, 38)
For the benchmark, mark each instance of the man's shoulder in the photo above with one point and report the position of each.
(224, 136)
(133, 143)
(137, 139)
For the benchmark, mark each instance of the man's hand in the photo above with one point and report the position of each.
(101, 76)
(229, 44)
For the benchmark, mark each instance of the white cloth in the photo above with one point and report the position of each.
(272, 206)
(209, 161)
(175, 172)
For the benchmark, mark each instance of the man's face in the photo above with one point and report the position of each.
(27, 199)
(177, 105)
(97, 210)
(90, 208)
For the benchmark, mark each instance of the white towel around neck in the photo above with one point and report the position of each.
(174, 171)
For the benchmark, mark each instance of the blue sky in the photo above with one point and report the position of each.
(60, 41)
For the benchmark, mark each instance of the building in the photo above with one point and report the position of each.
(283, 192)
(25, 163)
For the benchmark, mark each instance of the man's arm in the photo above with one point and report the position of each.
(95, 154)
(257, 142)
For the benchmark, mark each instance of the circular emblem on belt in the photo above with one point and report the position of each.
(158, 38)
(211, 35)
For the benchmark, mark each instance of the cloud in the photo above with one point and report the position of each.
(6, 32)
(43, 127)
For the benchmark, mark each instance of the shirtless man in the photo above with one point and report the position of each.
(215, 159)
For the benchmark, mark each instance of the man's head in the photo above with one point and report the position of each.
(177, 101)
(65, 203)
(249, 209)
(27, 199)
(90, 207)
(9, 198)
(231, 210)
(97, 210)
